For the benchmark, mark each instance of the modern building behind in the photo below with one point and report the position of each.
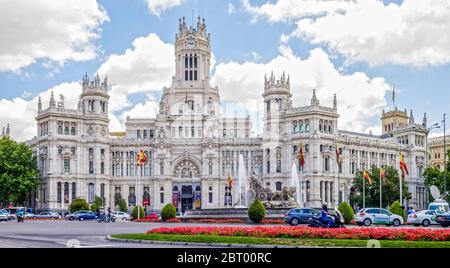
(193, 149)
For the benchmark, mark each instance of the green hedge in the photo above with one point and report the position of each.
(135, 212)
(168, 212)
(395, 208)
(257, 211)
(78, 204)
(347, 212)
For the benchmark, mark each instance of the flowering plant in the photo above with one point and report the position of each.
(407, 234)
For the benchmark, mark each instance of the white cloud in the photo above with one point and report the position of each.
(360, 98)
(56, 31)
(159, 6)
(20, 112)
(287, 10)
(146, 67)
(410, 33)
(148, 109)
(231, 8)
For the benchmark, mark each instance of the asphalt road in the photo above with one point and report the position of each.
(88, 234)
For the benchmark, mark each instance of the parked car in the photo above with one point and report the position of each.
(378, 216)
(48, 215)
(298, 216)
(443, 219)
(4, 215)
(424, 217)
(121, 215)
(82, 215)
(29, 215)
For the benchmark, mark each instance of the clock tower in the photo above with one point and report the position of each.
(193, 54)
(191, 92)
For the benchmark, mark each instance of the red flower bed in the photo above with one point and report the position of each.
(273, 222)
(173, 221)
(216, 221)
(147, 220)
(407, 234)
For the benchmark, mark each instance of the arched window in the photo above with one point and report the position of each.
(74, 191)
(161, 166)
(58, 192)
(91, 193)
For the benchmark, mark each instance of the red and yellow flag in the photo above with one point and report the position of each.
(382, 174)
(301, 155)
(230, 182)
(338, 155)
(403, 166)
(367, 177)
(141, 158)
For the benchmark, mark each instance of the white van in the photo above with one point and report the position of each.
(439, 204)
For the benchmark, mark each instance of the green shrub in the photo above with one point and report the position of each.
(98, 203)
(78, 204)
(257, 211)
(347, 212)
(168, 212)
(123, 205)
(395, 208)
(135, 212)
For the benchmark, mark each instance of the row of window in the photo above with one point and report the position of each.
(145, 134)
(91, 106)
(190, 64)
(43, 128)
(300, 126)
(326, 126)
(67, 128)
(60, 192)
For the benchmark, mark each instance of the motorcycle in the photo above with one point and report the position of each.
(338, 221)
(20, 218)
(106, 218)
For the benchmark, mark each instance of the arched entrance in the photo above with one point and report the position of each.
(187, 185)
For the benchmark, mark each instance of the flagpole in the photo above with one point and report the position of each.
(381, 189)
(301, 187)
(401, 190)
(364, 192)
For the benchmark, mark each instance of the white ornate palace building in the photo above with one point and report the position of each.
(192, 148)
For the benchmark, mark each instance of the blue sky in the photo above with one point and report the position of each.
(242, 35)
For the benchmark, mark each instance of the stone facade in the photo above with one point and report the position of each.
(192, 148)
(436, 149)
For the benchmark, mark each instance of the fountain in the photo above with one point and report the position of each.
(242, 184)
(295, 182)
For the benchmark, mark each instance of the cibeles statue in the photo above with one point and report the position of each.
(278, 199)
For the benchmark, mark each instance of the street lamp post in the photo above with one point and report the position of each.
(427, 155)
(445, 158)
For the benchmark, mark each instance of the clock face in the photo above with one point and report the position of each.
(190, 43)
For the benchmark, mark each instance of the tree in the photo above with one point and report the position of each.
(168, 212)
(18, 171)
(98, 203)
(391, 189)
(78, 204)
(123, 205)
(434, 176)
(257, 211)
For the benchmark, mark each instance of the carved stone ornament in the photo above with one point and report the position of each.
(187, 169)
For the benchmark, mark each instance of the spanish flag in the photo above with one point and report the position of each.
(367, 177)
(403, 166)
(338, 155)
(382, 174)
(141, 158)
(230, 182)
(301, 155)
